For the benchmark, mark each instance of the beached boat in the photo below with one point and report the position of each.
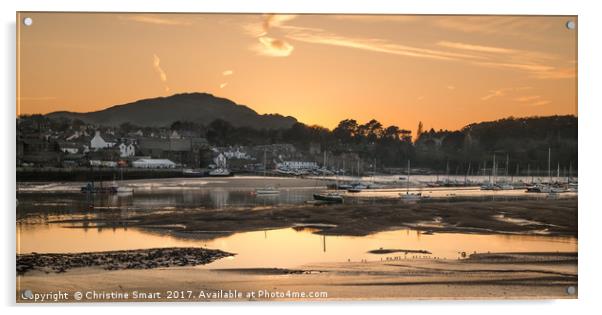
(488, 186)
(357, 187)
(410, 196)
(193, 173)
(90, 188)
(267, 191)
(220, 172)
(329, 197)
(503, 186)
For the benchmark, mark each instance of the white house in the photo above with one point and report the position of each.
(68, 147)
(236, 153)
(127, 150)
(153, 163)
(99, 143)
(175, 135)
(220, 161)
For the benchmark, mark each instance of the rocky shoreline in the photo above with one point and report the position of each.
(116, 260)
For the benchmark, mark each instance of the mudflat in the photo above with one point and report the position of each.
(525, 216)
(481, 276)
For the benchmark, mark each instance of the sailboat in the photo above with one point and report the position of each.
(545, 188)
(490, 185)
(357, 186)
(409, 196)
(268, 190)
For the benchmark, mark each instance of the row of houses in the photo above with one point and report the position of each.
(105, 147)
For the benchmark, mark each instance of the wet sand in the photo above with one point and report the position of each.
(542, 217)
(482, 276)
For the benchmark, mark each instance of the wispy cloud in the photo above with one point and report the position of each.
(451, 87)
(537, 64)
(534, 63)
(529, 98)
(503, 92)
(159, 70)
(268, 45)
(540, 103)
(478, 48)
(372, 18)
(273, 47)
(275, 20)
(154, 19)
(513, 26)
(226, 73)
(493, 93)
(375, 45)
(532, 100)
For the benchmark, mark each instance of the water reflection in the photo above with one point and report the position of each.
(272, 248)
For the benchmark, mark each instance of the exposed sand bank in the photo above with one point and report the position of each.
(483, 276)
(545, 217)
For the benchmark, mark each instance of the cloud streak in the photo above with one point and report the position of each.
(154, 19)
(478, 48)
(160, 72)
(269, 45)
(535, 64)
(502, 92)
(376, 45)
(273, 47)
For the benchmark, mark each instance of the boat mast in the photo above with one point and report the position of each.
(265, 163)
(447, 171)
(408, 180)
(507, 163)
(494, 168)
(549, 165)
(373, 170)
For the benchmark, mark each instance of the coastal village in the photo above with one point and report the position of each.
(85, 146)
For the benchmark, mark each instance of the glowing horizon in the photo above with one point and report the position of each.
(446, 71)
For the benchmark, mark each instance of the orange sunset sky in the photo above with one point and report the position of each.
(446, 71)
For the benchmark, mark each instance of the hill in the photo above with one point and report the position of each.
(201, 108)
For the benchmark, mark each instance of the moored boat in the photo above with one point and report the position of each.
(90, 188)
(193, 173)
(267, 191)
(329, 197)
(220, 172)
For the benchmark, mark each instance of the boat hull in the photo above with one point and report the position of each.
(326, 198)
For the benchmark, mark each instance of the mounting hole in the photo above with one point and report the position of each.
(570, 25)
(28, 294)
(27, 21)
(571, 290)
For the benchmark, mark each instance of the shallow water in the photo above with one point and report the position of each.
(42, 199)
(41, 204)
(283, 248)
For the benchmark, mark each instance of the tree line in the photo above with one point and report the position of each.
(524, 142)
